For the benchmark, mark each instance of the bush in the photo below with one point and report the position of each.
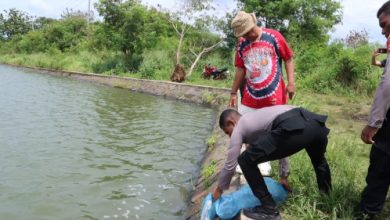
(309, 59)
(66, 33)
(348, 68)
(156, 64)
(33, 41)
(337, 69)
(107, 63)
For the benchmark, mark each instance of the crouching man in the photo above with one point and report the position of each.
(272, 133)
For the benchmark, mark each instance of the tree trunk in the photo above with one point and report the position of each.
(179, 46)
(194, 63)
(198, 56)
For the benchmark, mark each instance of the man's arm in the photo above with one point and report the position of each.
(284, 172)
(378, 110)
(229, 168)
(239, 77)
(284, 167)
(374, 61)
(289, 64)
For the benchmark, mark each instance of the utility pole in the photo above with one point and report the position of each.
(89, 13)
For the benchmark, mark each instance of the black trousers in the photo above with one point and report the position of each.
(378, 181)
(378, 176)
(312, 137)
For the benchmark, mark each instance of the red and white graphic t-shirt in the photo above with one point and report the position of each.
(262, 60)
(388, 45)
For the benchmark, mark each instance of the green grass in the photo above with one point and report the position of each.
(207, 172)
(89, 62)
(347, 155)
(211, 141)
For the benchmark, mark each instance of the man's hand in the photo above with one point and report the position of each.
(291, 90)
(375, 53)
(368, 133)
(284, 182)
(233, 101)
(217, 193)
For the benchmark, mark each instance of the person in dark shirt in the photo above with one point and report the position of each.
(272, 133)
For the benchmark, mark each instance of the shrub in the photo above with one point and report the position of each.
(337, 69)
(309, 59)
(156, 64)
(33, 41)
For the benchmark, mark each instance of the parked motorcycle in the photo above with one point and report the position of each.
(214, 73)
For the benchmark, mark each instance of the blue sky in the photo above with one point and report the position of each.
(357, 14)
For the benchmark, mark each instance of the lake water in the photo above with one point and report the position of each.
(75, 150)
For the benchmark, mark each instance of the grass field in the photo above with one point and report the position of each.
(347, 155)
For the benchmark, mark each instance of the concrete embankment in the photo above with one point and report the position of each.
(214, 97)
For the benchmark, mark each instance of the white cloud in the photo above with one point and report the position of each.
(46, 8)
(42, 7)
(360, 15)
(40, 4)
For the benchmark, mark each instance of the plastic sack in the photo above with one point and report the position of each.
(208, 208)
(228, 206)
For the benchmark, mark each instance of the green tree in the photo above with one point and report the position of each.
(68, 13)
(303, 20)
(41, 22)
(356, 38)
(123, 21)
(196, 18)
(13, 23)
(33, 41)
(224, 26)
(66, 33)
(131, 28)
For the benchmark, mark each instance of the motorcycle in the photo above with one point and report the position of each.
(214, 73)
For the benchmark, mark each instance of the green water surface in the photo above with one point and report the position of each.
(76, 150)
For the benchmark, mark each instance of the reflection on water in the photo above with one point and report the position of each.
(75, 150)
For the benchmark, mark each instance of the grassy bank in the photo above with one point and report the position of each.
(347, 155)
(103, 62)
(348, 158)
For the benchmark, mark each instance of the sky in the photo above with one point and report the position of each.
(357, 14)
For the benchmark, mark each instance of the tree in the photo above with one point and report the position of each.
(123, 23)
(304, 20)
(356, 38)
(69, 13)
(66, 33)
(131, 27)
(199, 12)
(200, 54)
(14, 23)
(41, 22)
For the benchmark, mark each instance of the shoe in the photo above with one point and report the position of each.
(262, 213)
(265, 168)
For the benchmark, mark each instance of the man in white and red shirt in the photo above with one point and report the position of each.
(259, 56)
(261, 61)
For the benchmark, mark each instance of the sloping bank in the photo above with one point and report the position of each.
(216, 98)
